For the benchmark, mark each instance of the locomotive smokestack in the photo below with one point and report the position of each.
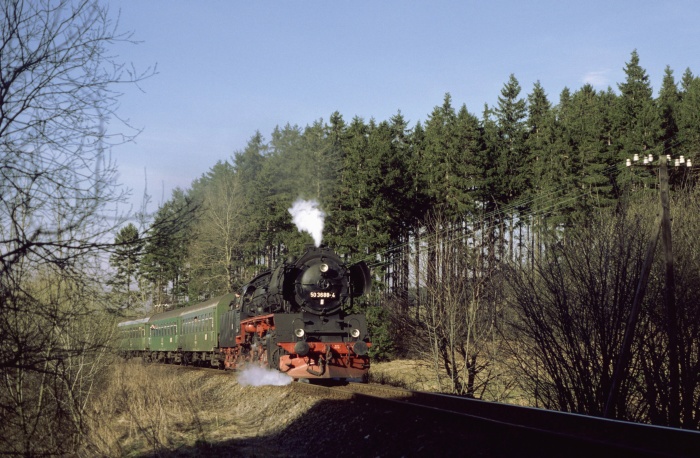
(308, 218)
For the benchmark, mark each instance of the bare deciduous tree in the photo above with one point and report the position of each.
(455, 328)
(56, 183)
(571, 306)
(215, 254)
(653, 347)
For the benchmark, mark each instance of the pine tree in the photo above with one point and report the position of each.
(591, 156)
(418, 178)
(248, 165)
(668, 101)
(686, 80)
(511, 165)
(126, 259)
(450, 160)
(163, 266)
(668, 104)
(488, 195)
(541, 135)
(688, 118)
(511, 114)
(283, 178)
(546, 143)
(348, 215)
(637, 123)
(467, 173)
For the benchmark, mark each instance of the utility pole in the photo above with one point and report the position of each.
(662, 226)
(670, 298)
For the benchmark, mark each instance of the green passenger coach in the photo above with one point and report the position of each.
(164, 331)
(185, 335)
(133, 336)
(200, 329)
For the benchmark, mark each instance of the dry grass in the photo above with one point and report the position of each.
(410, 374)
(422, 376)
(161, 410)
(157, 410)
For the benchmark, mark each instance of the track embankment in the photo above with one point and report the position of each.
(494, 429)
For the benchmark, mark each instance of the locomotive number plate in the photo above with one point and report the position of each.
(322, 295)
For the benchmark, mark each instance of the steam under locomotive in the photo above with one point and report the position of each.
(292, 319)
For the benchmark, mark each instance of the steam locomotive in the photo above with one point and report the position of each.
(293, 319)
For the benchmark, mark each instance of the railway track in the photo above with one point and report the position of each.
(558, 433)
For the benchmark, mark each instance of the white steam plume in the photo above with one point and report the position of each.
(259, 376)
(308, 218)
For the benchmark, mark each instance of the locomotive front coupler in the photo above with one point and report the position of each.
(321, 363)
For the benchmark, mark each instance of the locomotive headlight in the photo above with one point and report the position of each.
(323, 268)
(355, 333)
(299, 332)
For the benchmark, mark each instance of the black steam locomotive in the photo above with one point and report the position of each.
(292, 319)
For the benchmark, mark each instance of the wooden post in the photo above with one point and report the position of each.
(661, 225)
(670, 299)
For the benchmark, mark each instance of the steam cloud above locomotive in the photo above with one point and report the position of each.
(308, 217)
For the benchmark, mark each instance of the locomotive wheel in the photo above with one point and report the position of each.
(274, 354)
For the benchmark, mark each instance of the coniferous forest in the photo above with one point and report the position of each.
(514, 237)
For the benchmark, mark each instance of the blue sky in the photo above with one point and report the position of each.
(229, 68)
